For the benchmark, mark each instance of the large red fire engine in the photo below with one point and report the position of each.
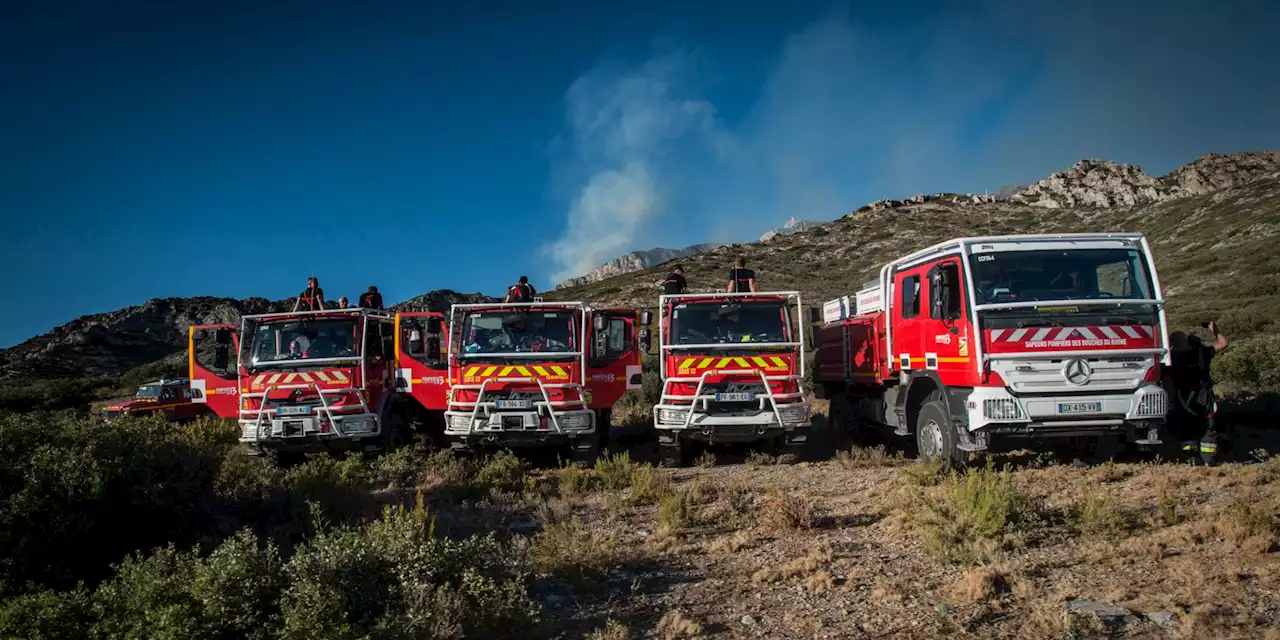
(732, 371)
(305, 381)
(538, 373)
(977, 343)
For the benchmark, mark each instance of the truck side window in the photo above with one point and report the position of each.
(618, 337)
(372, 341)
(388, 337)
(910, 296)
(951, 301)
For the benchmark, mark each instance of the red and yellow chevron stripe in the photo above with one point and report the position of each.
(549, 372)
(690, 365)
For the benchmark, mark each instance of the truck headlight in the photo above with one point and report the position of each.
(794, 413)
(458, 423)
(574, 420)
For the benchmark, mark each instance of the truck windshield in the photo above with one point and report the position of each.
(148, 391)
(1074, 274)
(288, 340)
(498, 331)
(729, 323)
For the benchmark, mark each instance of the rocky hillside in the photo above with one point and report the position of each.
(114, 342)
(634, 261)
(1100, 183)
(793, 225)
(1215, 251)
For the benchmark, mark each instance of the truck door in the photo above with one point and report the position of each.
(212, 361)
(613, 362)
(909, 300)
(947, 348)
(421, 364)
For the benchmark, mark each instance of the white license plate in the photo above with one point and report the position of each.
(1079, 407)
(742, 396)
(293, 411)
(513, 404)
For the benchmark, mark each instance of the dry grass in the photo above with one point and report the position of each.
(572, 480)
(788, 511)
(927, 473)
(612, 630)
(649, 485)
(731, 543)
(674, 514)
(1252, 523)
(706, 459)
(982, 584)
(867, 457)
(760, 459)
(675, 625)
(615, 471)
(1098, 514)
(566, 548)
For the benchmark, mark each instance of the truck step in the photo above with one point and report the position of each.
(970, 447)
(901, 431)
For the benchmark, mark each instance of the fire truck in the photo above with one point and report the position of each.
(732, 370)
(168, 397)
(303, 382)
(981, 344)
(538, 374)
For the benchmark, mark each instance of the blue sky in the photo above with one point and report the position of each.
(233, 148)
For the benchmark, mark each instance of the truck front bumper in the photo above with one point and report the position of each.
(995, 410)
(737, 426)
(310, 433)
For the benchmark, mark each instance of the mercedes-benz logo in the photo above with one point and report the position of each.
(1077, 371)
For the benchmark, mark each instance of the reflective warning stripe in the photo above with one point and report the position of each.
(342, 377)
(541, 370)
(323, 376)
(779, 362)
(1057, 334)
(559, 370)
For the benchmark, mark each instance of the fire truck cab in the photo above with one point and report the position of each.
(422, 370)
(978, 344)
(305, 381)
(732, 371)
(539, 374)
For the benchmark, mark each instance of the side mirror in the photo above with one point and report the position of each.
(599, 322)
(199, 334)
(813, 315)
(645, 342)
(435, 325)
(646, 318)
(815, 340)
(221, 357)
(222, 336)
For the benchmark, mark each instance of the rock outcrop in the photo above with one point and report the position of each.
(441, 300)
(1105, 184)
(793, 225)
(635, 261)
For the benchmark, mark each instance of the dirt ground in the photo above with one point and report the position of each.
(860, 543)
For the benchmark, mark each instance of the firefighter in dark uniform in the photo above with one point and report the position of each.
(675, 283)
(521, 291)
(1194, 403)
(371, 299)
(311, 298)
(741, 279)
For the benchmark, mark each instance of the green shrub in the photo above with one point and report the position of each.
(969, 519)
(615, 471)
(47, 615)
(1251, 364)
(503, 472)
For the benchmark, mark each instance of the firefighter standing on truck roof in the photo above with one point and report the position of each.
(521, 291)
(371, 299)
(311, 298)
(741, 279)
(675, 283)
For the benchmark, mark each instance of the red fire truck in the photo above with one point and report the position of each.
(538, 374)
(171, 398)
(978, 344)
(305, 381)
(732, 371)
(422, 370)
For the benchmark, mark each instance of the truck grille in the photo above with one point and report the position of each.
(1001, 409)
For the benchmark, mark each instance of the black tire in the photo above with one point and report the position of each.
(936, 438)
(604, 427)
(395, 432)
(789, 454)
(585, 455)
(671, 455)
(1102, 449)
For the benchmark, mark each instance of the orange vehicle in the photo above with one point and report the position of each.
(534, 374)
(305, 381)
(172, 398)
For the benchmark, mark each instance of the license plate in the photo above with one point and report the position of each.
(513, 404)
(293, 411)
(1079, 407)
(742, 396)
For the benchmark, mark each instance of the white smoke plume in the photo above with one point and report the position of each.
(952, 97)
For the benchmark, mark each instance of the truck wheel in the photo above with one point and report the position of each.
(585, 454)
(936, 438)
(671, 455)
(604, 427)
(791, 453)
